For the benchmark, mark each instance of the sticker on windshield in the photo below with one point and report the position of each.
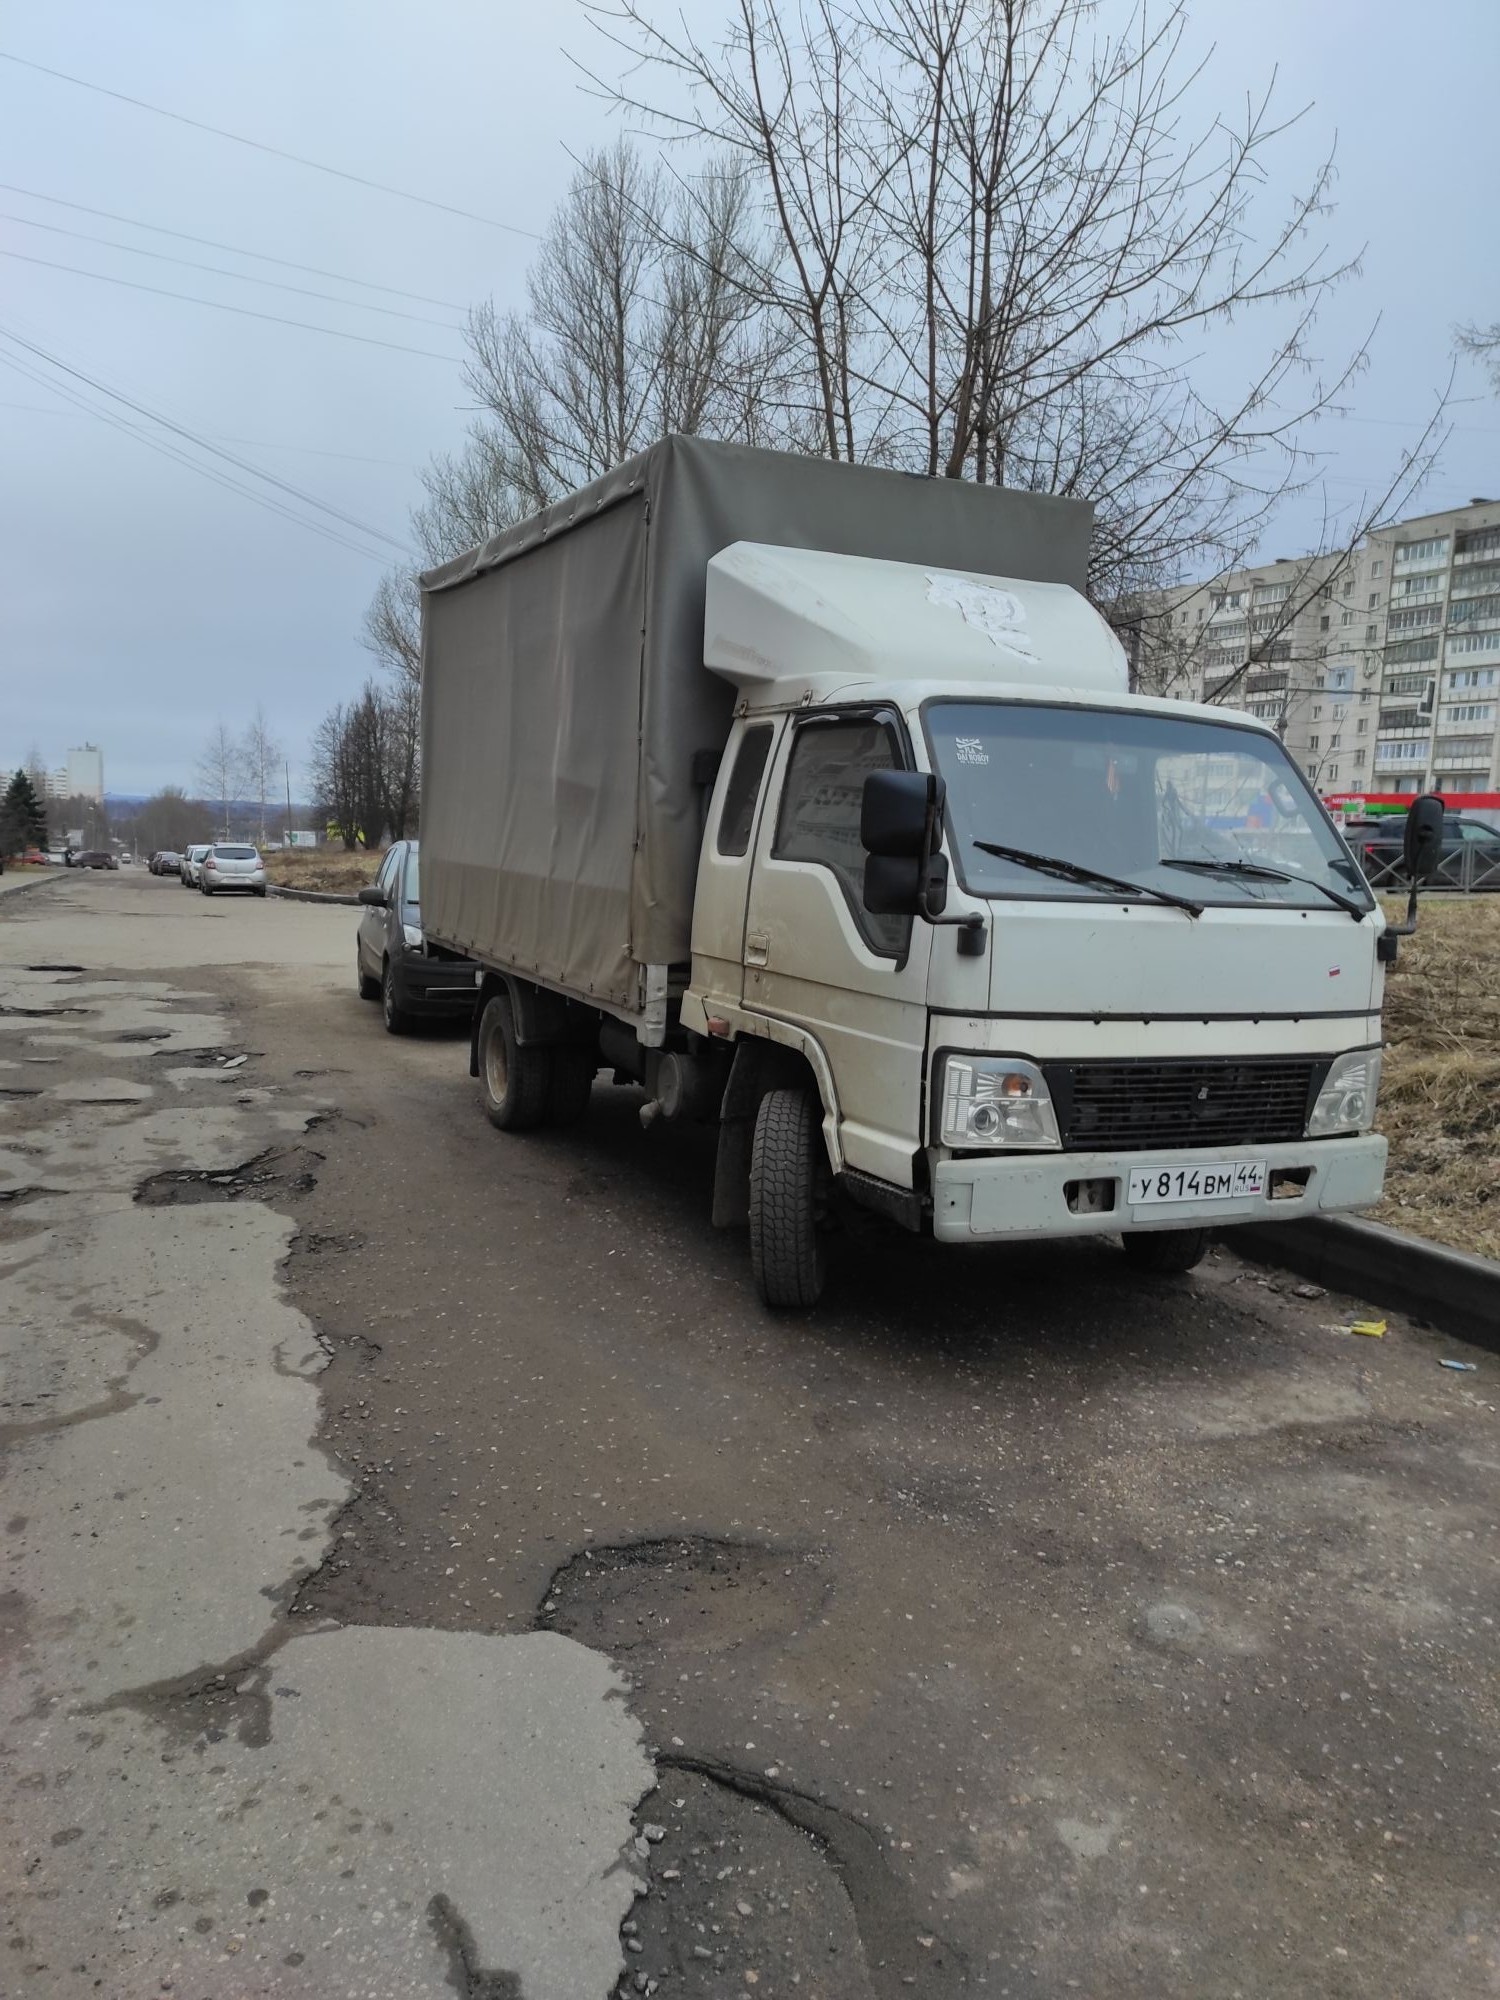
(970, 750)
(998, 614)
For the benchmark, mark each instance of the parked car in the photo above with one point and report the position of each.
(94, 857)
(1470, 857)
(232, 865)
(191, 862)
(166, 861)
(395, 963)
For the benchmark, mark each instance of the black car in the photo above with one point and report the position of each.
(395, 964)
(1470, 857)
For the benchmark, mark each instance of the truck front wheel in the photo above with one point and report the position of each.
(1166, 1250)
(788, 1190)
(514, 1082)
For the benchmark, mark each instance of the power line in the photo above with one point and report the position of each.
(218, 271)
(203, 444)
(259, 444)
(234, 249)
(219, 305)
(180, 457)
(278, 152)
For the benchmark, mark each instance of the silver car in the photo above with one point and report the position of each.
(228, 865)
(191, 862)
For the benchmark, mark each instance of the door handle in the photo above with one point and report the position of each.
(757, 947)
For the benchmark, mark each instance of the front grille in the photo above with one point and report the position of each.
(1138, 1106)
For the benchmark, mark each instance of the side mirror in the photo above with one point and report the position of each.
(1421, 850)
(898, 813)
(375, 897)
(901, 829)
(1422, 845)
(899, 816)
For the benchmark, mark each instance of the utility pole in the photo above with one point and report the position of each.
(287, 836)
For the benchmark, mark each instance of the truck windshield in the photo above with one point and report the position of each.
(1172, 803)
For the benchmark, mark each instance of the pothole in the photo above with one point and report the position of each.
(55, 968)
(696, 1593)
(270, 1176)
(736, 1889)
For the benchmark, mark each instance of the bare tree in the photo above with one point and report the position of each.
(642, 317)
(1483, 344)
(393, 633)
(993, 242)
(260, 760)
(221, 773)
(350, 755)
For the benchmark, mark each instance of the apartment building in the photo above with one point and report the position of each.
(1380, 669)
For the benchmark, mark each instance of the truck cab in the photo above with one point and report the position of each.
(1001, 950)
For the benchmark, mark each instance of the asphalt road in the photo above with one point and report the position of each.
(425, 1555)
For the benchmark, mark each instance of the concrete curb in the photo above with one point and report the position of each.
(1449, 1289)
(12, 884)
(313, 896)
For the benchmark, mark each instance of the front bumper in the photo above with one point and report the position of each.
(1026, 1195)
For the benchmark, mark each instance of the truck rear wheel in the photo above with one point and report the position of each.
(514, 1082)
(788, 1184)
(1166, 1250)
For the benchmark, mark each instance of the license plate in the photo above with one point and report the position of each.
(1153, 1186)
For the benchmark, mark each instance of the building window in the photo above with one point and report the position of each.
(1372, 632)
(1374, 599)
(1377, 567)
(1359, 760)
(1323, 624)
(1346, 618)
(1348, 586)
(1411, 552)
(1312, 742)
(1362, 725)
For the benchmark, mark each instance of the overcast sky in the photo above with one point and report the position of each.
(139, 603)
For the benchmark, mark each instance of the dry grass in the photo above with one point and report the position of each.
(1440, 1092)
(328, 869)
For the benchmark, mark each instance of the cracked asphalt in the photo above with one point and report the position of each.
(403, 1514)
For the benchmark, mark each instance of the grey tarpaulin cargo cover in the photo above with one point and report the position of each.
(564, 696)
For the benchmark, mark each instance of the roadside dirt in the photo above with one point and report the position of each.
(1440, 1092)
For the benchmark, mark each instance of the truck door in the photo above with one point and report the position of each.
(724, 865)
(816, 958)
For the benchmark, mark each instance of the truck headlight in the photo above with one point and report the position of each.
(1346, 1103)
(996, 1101)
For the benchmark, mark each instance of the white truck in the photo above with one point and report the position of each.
(814, 800)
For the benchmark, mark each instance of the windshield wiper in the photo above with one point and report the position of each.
(1075, 871)
(1264, 874)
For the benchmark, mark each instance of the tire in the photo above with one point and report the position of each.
(259, 892)
(1166, 1252)
(787, 1180)
(369, 989)
(515, 1084)
(397, 1020)
(572, 1085)
(204, 889)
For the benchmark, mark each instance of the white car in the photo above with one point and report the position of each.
(187, 868)
(231, 865)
